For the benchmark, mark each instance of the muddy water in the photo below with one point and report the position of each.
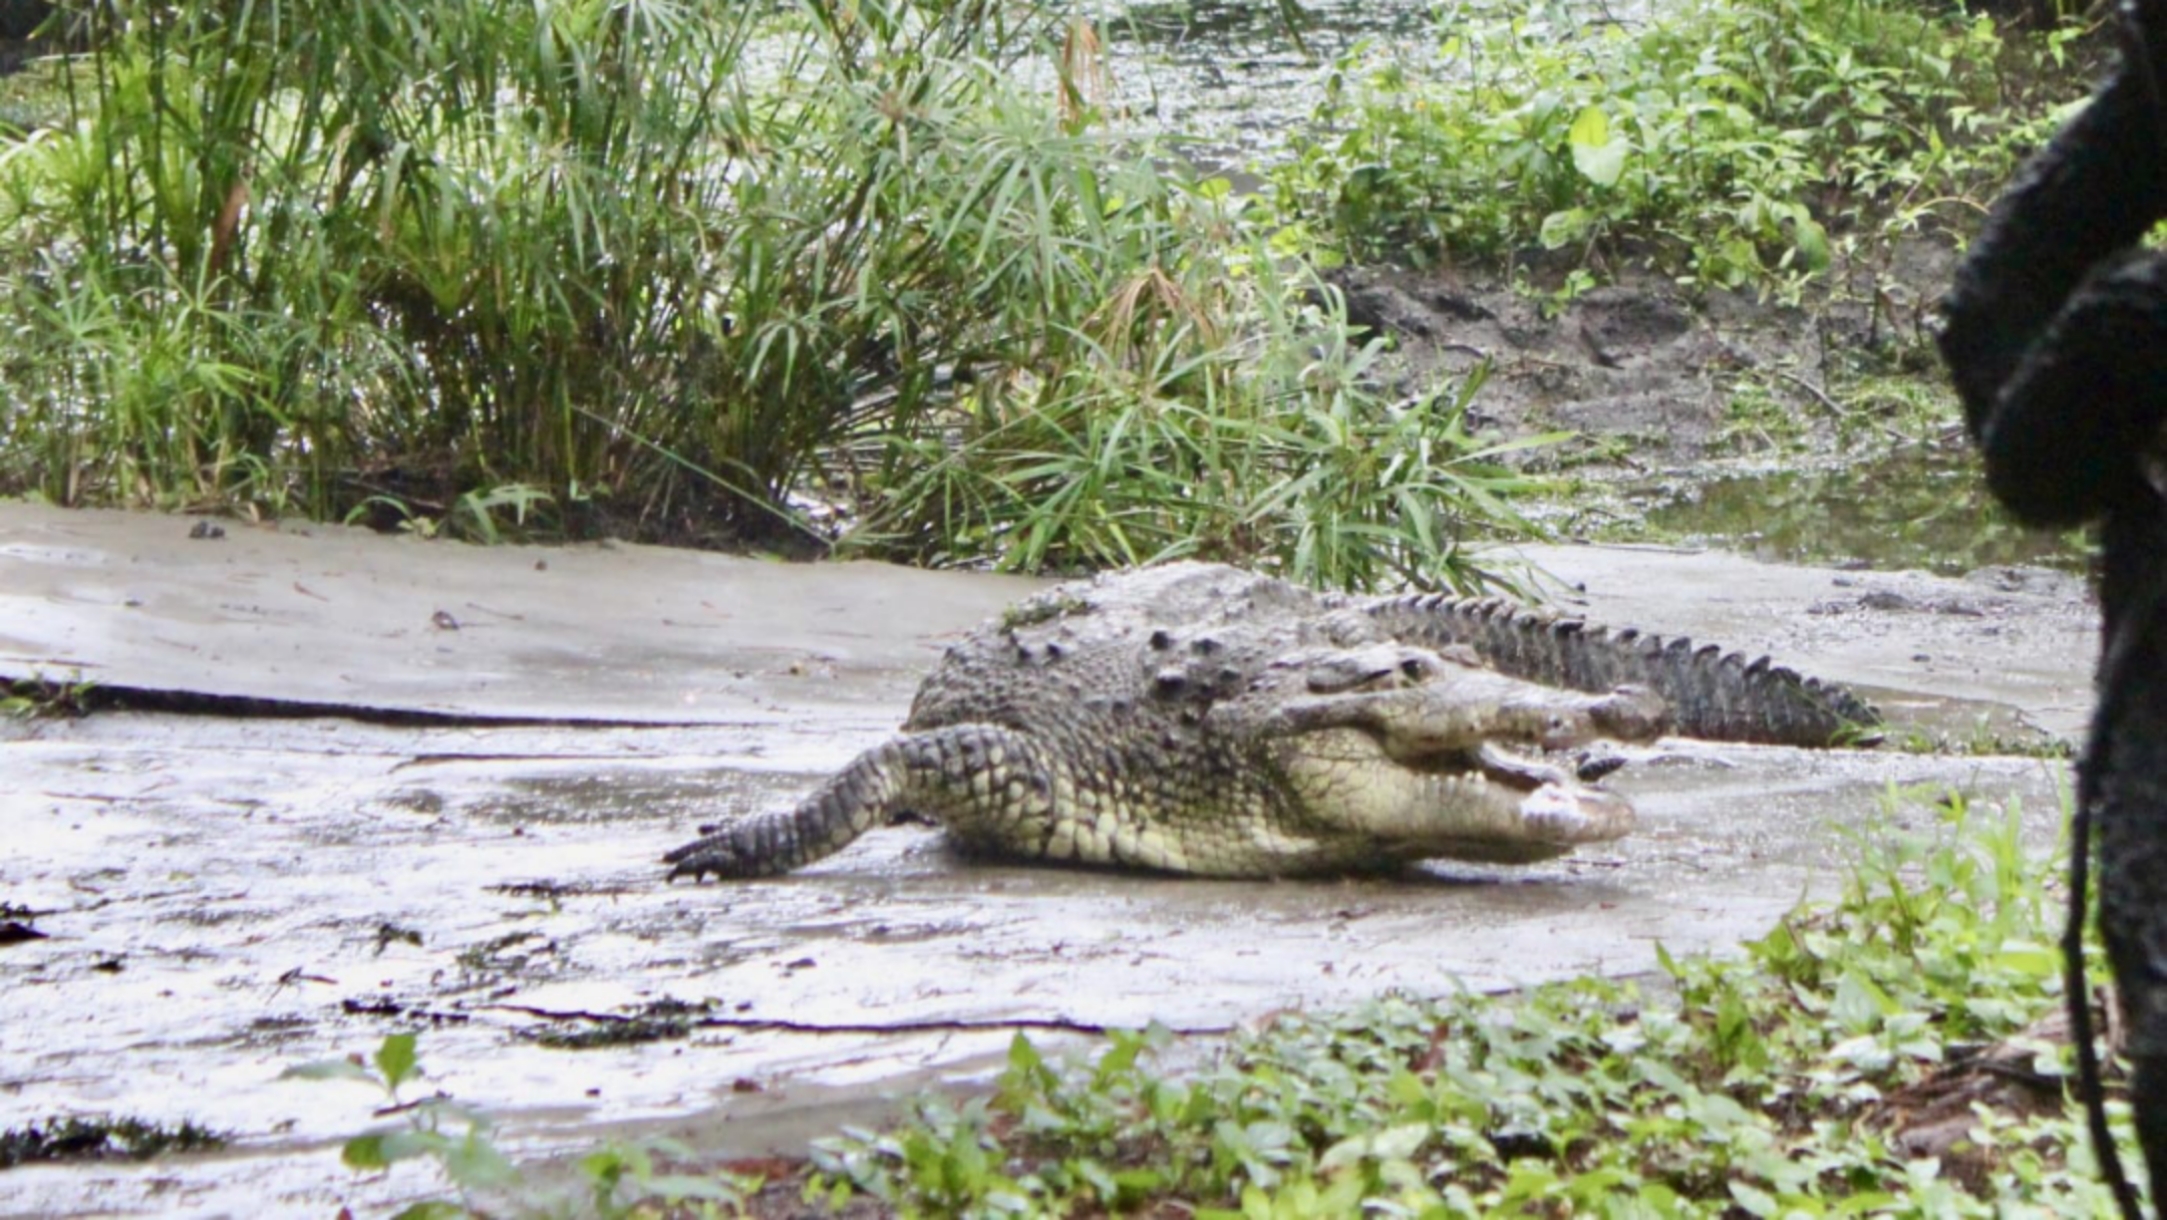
(225, 896)
(1222, 81)
(1915, 508)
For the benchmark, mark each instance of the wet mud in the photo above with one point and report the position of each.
(1643, 374)
(219, 897)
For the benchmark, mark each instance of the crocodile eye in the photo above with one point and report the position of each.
(1414, 669)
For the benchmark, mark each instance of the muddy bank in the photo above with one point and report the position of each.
(1648, 376)
(221, 897)
(1819, 432)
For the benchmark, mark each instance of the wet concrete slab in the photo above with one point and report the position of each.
(223, 897)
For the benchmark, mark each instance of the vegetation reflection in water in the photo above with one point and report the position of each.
(1916, 508)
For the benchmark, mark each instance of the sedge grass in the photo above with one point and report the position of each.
(667, 266)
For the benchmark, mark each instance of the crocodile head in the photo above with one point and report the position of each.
(1393, 752)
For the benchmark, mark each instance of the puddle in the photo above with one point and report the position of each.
(222, 897)
(1222, 82)
(1919, 508)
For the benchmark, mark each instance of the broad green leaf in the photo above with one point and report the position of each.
(1598, 157)
(395, 1059)
(680, 1187)
(1391, 1144)
(2029, 958)
(1860, 1003)
(1119, 1057)
(396, 1146)
(1811, 241)
(364, 1152)
(474, 1163)
(1603, 166)
(1753, 1200)
(1563, 228)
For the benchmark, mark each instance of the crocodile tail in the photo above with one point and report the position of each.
(1712, 693)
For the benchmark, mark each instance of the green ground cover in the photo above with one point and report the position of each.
(1733, 144)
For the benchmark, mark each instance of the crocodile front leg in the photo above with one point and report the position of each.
(968, 777)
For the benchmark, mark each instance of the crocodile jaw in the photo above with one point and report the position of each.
(1485, 805)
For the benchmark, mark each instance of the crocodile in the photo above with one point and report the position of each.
(1201, 719)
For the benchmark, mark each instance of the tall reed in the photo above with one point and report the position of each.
(676, 268)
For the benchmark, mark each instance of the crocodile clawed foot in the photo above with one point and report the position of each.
(1589, 767)
(697, 859)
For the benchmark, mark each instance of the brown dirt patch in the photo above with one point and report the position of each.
(1642, 371)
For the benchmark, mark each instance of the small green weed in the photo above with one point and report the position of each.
(39, 697)
(457, 1138)
(622, 1181)
(100, 1139)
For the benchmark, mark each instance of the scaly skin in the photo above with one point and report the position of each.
(1198, 719)
(1713, 694)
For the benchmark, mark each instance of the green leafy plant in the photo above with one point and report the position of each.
(76, 1138)
(1734, 145)
(457, 1138)
(284, 255)
(622, 1181)
(1764, 1085)
(39, 696)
